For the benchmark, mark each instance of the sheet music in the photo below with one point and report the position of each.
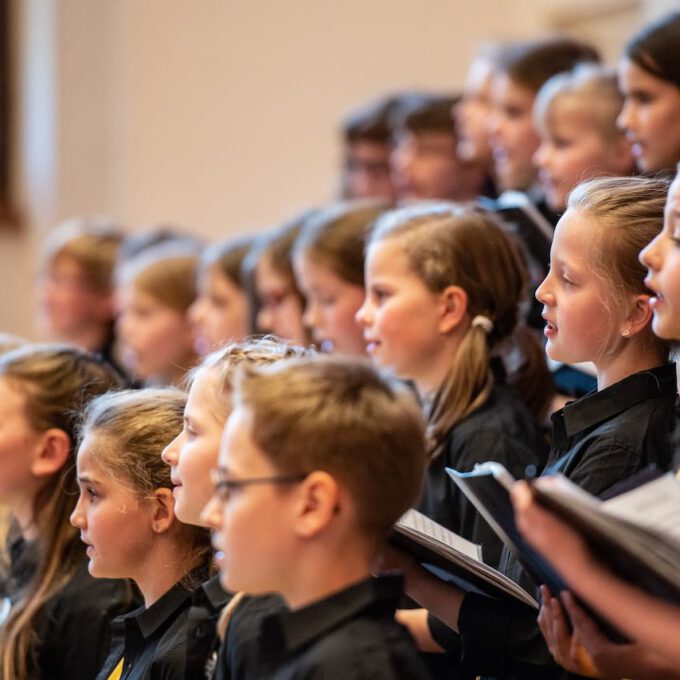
(416, 520)
(655, 506)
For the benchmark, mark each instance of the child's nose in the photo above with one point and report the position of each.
(363, 315)
(77, 518)
(169, 454)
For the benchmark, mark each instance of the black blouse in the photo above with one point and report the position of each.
(73, 627)
(500, 430)
(599, 440)
(349, 635)
(171, 639)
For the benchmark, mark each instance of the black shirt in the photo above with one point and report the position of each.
(349, 635)
(598, 441)
(67, 648)
(170, 639)
(501, 430)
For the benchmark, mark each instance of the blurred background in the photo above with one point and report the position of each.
(222, 115)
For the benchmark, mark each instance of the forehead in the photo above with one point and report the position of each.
(11, 396)
(387, 256)
(573, 233)
(204, 392)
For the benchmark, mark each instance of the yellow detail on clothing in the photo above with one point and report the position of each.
(117, 671)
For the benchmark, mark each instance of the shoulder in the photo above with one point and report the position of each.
(365, 648)
(503, 430)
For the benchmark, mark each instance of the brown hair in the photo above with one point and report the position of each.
(227, 360)
(166, 272)
(595, 87)
(656, 48)
(371, 121)
(335, 237)
(227, 257)
(56, 381)
(277, 246)
(530, 64)
(93, 244)
(426, 113)
(132, 428)
(340, 416)
(628, 213)
(445, 246)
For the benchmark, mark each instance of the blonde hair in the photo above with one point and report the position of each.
(132, 428)
(94, 244)
(596, 89)
(166, 272)
(451, 246)
(226, 361)
(340, 416)
(628, 213)
(56, 382)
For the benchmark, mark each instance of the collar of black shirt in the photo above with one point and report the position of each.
(597, 407)
(292, 630)
(150, 620)
(216, 595)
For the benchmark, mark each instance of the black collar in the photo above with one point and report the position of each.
(296, 629)
(150, 620)
(597, 407)
(214, 592)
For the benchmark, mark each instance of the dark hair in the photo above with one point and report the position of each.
(426, 113)
(656, 48)
(371, 121)
(335, 236)
(530, 64)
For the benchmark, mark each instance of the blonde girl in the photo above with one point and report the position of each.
(220, 312)
(596, 307)
(328, 258)
(154, 292)
(443, 287)
(45, 585)
(125, 515)
(645, 618)
(192, 454)
(575, 114)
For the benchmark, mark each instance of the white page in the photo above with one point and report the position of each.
(416, 520)
(654, 506)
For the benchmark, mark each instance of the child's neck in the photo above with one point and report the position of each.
(319, 574)
(162, 570)
(632, 359)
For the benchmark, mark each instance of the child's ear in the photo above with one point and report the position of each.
(639, 316)
(52, 453)
(163, 510)
(318, 501)
(454, 304)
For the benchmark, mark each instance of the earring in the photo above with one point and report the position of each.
(626, 333)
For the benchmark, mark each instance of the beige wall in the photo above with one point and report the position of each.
(217, 114)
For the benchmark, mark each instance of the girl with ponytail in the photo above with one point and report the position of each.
(443, 289)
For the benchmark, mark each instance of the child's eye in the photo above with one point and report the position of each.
(92, 495)
(378, 294)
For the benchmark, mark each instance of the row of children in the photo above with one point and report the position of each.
(536, 117)
(319, 456)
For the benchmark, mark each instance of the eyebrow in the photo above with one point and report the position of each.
(84, 479)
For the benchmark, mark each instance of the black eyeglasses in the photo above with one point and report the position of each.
(224, 486)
